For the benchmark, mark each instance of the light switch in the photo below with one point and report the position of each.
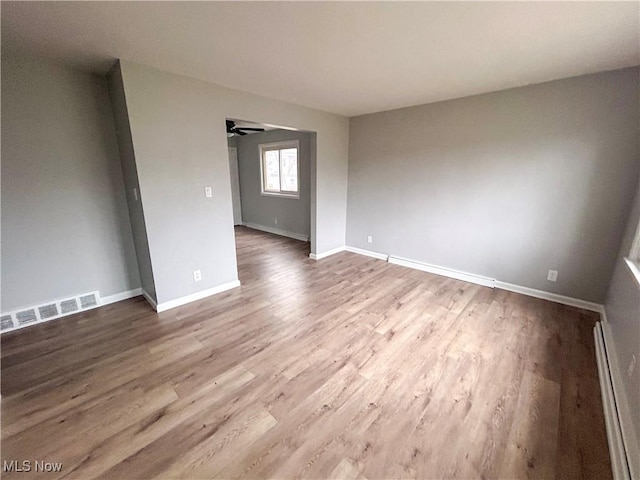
(208, 192)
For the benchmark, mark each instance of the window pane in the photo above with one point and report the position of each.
(271, 171)
(289, 162)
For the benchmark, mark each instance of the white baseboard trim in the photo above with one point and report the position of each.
(445, 272)
(611, 404)
(553, 297)
(603, 315)
(277, 231)
(147, 296)
(178, 302)
(367, 253)
(472, 278)
(328, 253)
(118, 297)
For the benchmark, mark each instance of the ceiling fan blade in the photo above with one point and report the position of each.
(239, 132)
(251, 129)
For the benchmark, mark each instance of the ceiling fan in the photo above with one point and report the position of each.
(232, 129)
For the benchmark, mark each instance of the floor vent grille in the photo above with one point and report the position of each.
(87, 301)
(26, 316)
(69, 306)
(6, 322)
(48, 311)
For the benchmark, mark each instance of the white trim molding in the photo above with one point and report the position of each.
(634, 267)
(473, 278)
(147, 296)
(553, 297)
(277, 231)
(621, 440)
(368, 253)
(328, 253)
(118, 297)
(445, 272)
(178, 302)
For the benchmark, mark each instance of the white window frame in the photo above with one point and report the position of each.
(263, 147)
(634, 254)
(633, 260)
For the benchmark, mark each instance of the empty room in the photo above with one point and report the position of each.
(320, 240)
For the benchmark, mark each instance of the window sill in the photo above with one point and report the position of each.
(635, 269)
(280, 195)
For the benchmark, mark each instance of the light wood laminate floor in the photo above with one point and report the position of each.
(347, 367)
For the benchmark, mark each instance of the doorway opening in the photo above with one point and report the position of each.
(271, 169)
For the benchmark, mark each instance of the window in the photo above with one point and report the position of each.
(279, 169)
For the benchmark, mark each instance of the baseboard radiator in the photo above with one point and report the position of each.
(617, 451)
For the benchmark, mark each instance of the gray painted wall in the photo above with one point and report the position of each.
(65, 226)
(292, 214)
(506, 185)
(179, 138)
(623, 327)
(130, 176)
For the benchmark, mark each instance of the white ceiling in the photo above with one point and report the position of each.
(344, 57)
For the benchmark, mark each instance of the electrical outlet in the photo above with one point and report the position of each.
(275, 220)
(197, 275)
(369, 239)
(552, 276)
(208, 192)
(632, 365)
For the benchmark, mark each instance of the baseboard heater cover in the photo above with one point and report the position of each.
(617, 451)
(445, 272)
(368, 253)
(493, 283)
